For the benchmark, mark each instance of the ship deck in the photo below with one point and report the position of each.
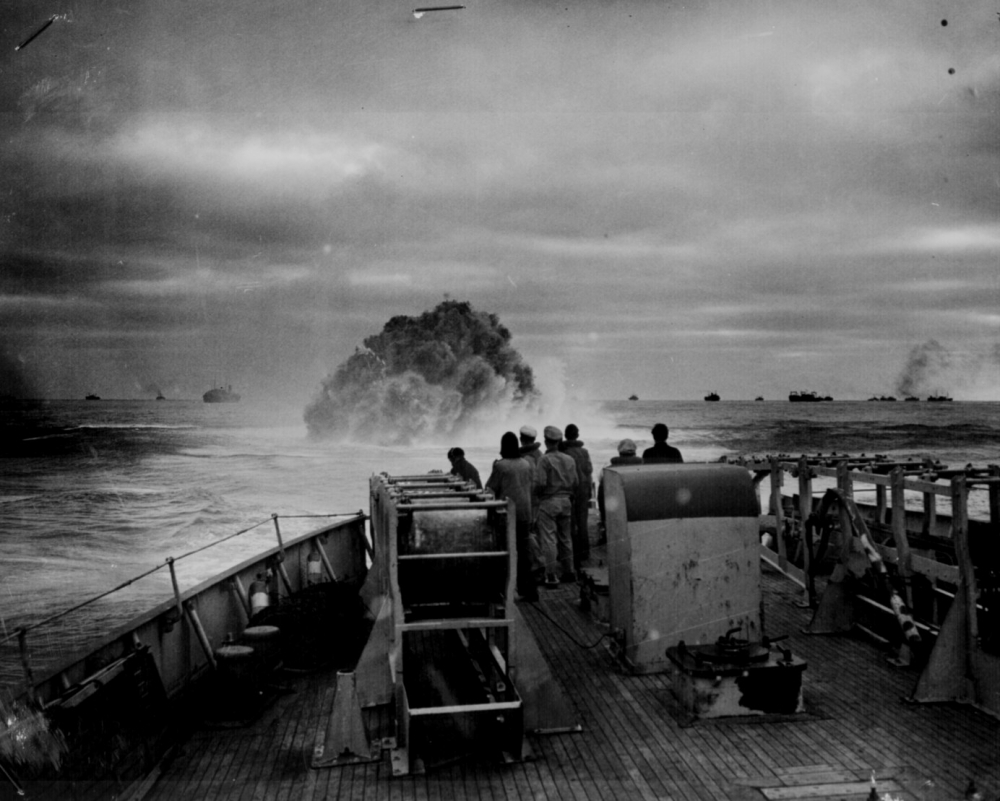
(633, 744)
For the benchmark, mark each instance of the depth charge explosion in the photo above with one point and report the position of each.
(424, 376)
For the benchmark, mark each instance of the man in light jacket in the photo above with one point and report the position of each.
(556, 484)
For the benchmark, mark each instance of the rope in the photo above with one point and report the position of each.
(25, 629)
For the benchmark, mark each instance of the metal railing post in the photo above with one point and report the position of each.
(240, 591)
(318, 545)
(177, 590)
(282, 571)
(199, 630)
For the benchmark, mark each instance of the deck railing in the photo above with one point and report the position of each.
(907, 576)
(158, 622)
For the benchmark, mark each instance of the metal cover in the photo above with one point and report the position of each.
(672, 491)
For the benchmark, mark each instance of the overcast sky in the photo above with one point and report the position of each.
(663, 198)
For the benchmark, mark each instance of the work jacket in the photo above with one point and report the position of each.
(662, 453)
(584, 469)
(461, 467)
(514, 479)
(533, 452)
(555, 475)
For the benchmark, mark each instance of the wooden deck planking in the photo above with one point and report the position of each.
(632, 746)
(635, 762)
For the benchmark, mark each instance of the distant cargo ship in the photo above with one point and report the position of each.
(633, 397)
(939, 399)
(221, 395)
(807, 397)
(93, 397)
(712, 396)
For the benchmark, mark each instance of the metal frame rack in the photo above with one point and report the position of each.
(447, 556)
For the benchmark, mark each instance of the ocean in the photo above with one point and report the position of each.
(94, 493)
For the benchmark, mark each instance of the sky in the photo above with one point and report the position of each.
(660, 198)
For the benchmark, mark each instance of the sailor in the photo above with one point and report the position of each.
(532, 452)
(661, 452)
(530, 448)
(556, 483)
(626, 455)
(572, 446)
(461, 467)
(512, 477)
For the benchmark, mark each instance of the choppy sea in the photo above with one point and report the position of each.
(93, 493)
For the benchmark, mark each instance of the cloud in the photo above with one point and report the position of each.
(958, 239)
(658, 175)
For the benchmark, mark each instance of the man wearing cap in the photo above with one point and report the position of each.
(529, 448)
(556, 483)
(626, 455)
(572, 446)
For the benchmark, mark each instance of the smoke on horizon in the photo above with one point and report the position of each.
(932, 369)
(14, 380)
(427, 377)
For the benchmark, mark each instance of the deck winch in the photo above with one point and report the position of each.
(447, 648)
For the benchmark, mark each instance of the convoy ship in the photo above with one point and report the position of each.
(430, 680)
(807, 397)
(221, 395)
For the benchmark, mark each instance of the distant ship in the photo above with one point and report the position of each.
(633, 397)
(882, 398)
(93, 397)
(712, 396)
(160, 397)
(911, 399)
(221, 395)
(759, 398)
(939, 399)
(807, 397)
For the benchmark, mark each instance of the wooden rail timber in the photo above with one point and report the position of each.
(958, 669)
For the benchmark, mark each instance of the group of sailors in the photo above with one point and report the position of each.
(552, 491)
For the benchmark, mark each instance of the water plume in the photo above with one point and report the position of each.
(424, 378)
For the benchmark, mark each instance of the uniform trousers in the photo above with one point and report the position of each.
(554, 534)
